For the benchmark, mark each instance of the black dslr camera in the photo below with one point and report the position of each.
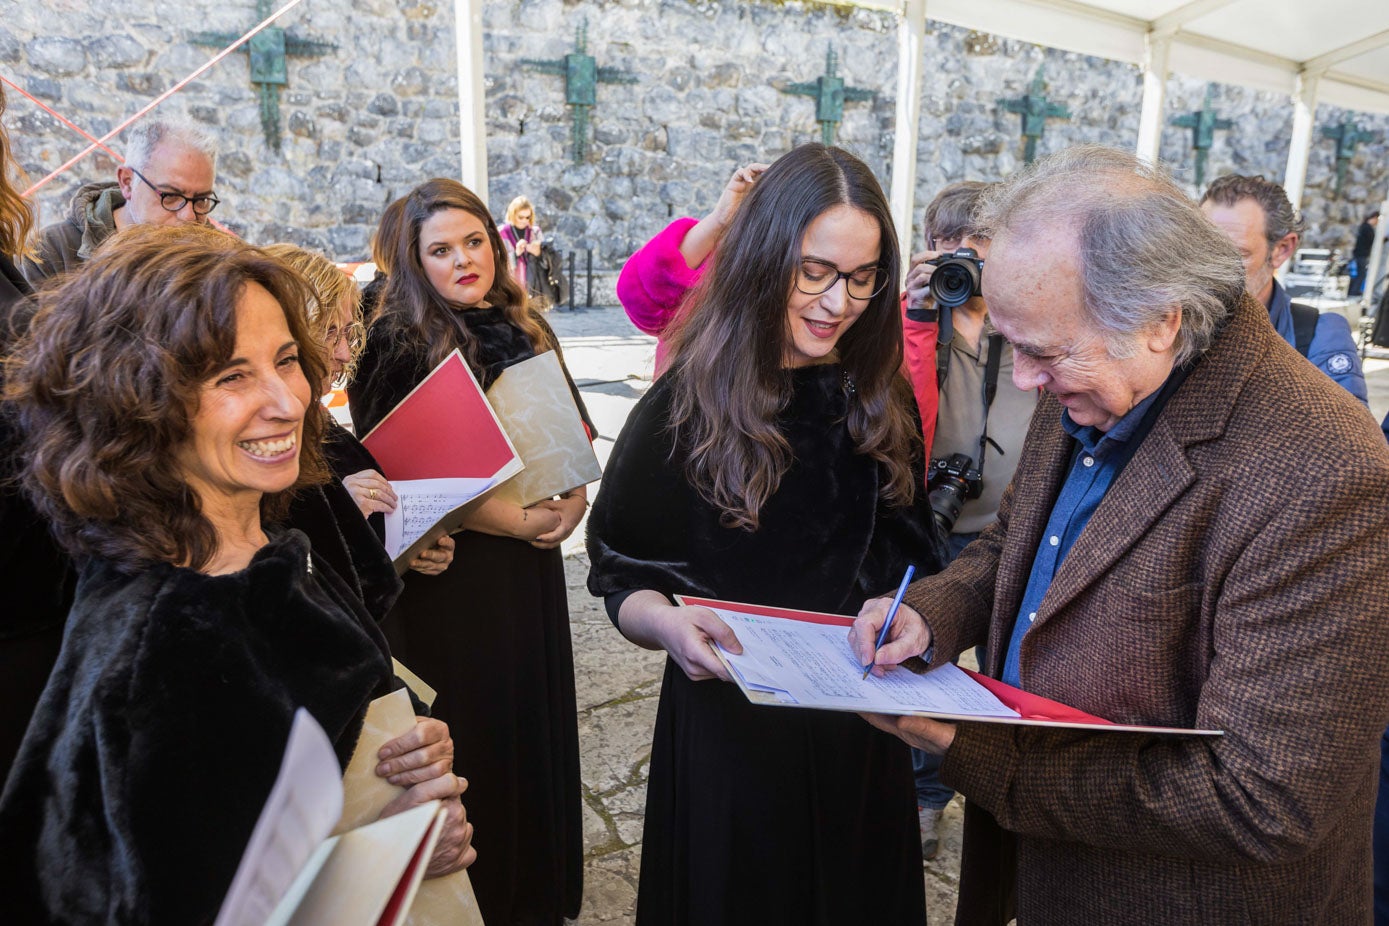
(952, 482)
(956, 278)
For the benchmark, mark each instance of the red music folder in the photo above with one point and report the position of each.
(444, 429)
(445, 452)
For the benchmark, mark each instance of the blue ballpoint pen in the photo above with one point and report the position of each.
(891, 613)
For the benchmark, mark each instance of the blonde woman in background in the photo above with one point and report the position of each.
(522, 238)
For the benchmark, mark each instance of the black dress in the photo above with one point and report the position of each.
(765, 815)
(491, 634)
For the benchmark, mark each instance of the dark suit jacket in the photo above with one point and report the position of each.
(1235, 577)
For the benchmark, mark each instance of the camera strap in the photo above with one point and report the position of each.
(945, 333)
(992, 364)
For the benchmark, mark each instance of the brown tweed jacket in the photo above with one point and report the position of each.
(1235, 577)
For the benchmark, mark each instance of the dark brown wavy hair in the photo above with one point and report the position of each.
(107, 380)
(409, 293)
(16, 215)
(727, 348)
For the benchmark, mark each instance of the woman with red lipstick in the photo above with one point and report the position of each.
(163, 397)
(491, 633)
(773, 463)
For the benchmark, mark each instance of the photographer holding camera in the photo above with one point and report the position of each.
(982, 417)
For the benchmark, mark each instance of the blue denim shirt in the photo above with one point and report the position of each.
(1096, 462)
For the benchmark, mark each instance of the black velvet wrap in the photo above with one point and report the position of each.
(349, 543)
(162, 727)
(35, 572)
(826, 540)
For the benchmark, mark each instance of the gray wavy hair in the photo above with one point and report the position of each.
(1144, 245)
(141, 141)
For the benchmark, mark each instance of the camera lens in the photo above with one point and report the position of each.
(946, 502)
(953, 283)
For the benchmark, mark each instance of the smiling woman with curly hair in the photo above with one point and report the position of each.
(162, 394)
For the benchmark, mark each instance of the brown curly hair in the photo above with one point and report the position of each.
(106, 382)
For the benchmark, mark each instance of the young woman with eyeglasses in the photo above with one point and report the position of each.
(491, 633)
(776, 462)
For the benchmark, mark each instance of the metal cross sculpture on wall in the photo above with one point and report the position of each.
(830, 95)
(1203, 124)
(1348, 135)
(269, 67)
(581, 78)
(1035, 109)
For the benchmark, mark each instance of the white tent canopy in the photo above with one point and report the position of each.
(1327, 51)
(1265, 44)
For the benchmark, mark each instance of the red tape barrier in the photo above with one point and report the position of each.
(101, 142)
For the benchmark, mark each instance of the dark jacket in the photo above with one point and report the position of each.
(162, 728)
(36, 574)
(1222, 583)
(63, 246)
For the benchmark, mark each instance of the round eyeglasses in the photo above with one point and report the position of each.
(814, 277)
(174, 202)
(355, 335)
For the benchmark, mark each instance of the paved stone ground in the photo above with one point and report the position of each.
(618, 683)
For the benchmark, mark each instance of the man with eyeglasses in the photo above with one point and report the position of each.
(167, 179)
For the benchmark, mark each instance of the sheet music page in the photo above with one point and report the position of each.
(422, 504)
(300, 813)
(813, 664)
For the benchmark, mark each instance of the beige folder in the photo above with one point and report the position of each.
(533, 402)
(447, 900)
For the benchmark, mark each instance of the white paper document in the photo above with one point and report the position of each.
(423, 503)
(301, 811)
(811, 665)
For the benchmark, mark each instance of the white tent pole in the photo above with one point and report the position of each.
(472, 119)
(1300, 148)
(1156, 48)
(911, 36)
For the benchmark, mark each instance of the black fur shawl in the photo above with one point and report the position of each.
(826, 541)
(162, 728)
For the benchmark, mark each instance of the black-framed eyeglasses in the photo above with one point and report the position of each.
(814, 277)
(355, 333)
(174, 202)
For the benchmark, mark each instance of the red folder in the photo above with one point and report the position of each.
(444, 429)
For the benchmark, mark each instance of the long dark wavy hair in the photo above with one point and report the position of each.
(109, 376)
(409, 293)
(728, 347)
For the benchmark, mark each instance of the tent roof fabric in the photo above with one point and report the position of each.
(1265, 44)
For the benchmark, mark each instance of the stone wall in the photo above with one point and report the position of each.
(709, 98)
(368, 121)
(967, 135)
(360, 125)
